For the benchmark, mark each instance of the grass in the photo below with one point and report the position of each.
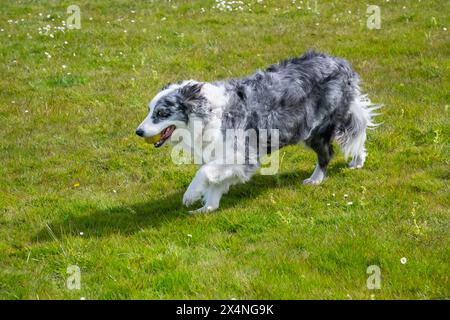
(78, 188)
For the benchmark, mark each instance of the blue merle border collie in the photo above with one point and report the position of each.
(314, 99)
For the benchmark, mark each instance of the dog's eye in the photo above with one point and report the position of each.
(162, 114)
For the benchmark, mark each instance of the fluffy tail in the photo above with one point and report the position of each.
(352, 136)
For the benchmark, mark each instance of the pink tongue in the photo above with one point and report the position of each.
(167, 132)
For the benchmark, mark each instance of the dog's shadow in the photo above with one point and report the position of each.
(129, 219)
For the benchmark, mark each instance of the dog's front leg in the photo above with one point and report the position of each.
(217, 181)
(196, 189)
(210, 183)
(212, 196)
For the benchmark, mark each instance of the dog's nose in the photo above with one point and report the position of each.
(140, 132)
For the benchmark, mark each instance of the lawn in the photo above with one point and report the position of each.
(78, 187)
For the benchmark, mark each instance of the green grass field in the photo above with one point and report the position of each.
(77, 187)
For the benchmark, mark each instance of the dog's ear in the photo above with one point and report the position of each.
(191, 96)
(191, 91)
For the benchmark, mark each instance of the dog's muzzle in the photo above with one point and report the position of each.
(159, 139)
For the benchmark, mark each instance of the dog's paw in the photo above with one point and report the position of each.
(354, 166)
(311, 181)
(190, 197)
(204, 209)
(357, 162)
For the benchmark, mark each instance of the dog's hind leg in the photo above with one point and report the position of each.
(321, 144)
(358, 159)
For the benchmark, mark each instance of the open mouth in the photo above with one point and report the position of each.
(164, 135)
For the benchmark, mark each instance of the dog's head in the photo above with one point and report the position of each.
(171, 109)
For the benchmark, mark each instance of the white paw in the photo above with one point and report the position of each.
(190, 197)
(204, 209)
(352, 165)
(312, 181)
(357, 162)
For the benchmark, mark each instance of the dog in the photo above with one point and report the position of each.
(314, 99)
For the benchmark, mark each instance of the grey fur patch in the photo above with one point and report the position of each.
(179, 104)
(301, 97)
